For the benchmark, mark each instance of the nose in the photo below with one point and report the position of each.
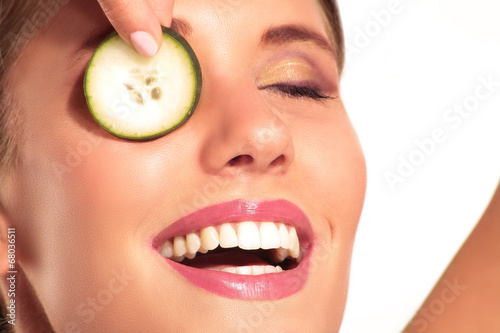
(244, 133)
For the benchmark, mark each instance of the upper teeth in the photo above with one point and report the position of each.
(245, 235)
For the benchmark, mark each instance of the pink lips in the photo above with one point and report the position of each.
(266, 286)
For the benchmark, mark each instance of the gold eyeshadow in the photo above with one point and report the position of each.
(286, 70)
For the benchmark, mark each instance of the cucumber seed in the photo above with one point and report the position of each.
(150, 80)
(129, 86)
(156, 93)
(137, 97)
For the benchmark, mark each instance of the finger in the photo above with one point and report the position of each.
(163, 10)
(136, 23)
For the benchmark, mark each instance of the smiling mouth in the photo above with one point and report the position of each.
(244, 248)
(241, 249)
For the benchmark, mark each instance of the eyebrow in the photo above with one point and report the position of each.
(287, 34)
(96, 39)
(182, 27)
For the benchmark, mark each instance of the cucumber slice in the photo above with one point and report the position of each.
(138, 98)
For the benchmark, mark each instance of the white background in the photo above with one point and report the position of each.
(397, 86)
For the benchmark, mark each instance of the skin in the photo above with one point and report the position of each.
(82, 219)
(472, 304)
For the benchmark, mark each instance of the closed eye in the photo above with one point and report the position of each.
(298, 91)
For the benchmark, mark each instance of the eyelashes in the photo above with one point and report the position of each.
(297, 77)
(299, 91)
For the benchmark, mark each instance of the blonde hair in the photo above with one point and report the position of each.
(21, 20)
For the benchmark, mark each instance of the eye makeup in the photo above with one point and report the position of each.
(286, 70)
(294, 77)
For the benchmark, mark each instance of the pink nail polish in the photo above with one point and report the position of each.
(144, 43)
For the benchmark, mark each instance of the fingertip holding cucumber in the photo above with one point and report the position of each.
(138, 98)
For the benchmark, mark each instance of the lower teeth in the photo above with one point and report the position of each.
(250, 270)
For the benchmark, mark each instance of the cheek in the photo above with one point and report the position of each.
(335, 160)
(335, 166)
(82, 196)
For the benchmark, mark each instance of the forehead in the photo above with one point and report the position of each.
(71, 14)
(83, 22)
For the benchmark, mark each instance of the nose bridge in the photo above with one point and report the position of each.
(249, 136)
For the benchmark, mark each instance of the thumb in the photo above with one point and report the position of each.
(136, 23)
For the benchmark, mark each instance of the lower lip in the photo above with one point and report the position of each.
(272, 286)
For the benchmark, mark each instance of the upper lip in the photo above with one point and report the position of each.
(237, 211)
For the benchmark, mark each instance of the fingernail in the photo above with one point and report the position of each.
(144, 43)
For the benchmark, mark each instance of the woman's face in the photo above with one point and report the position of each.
(92, 211)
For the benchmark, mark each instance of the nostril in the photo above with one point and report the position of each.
(278, 160)
(240, 159)
(234, 160)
